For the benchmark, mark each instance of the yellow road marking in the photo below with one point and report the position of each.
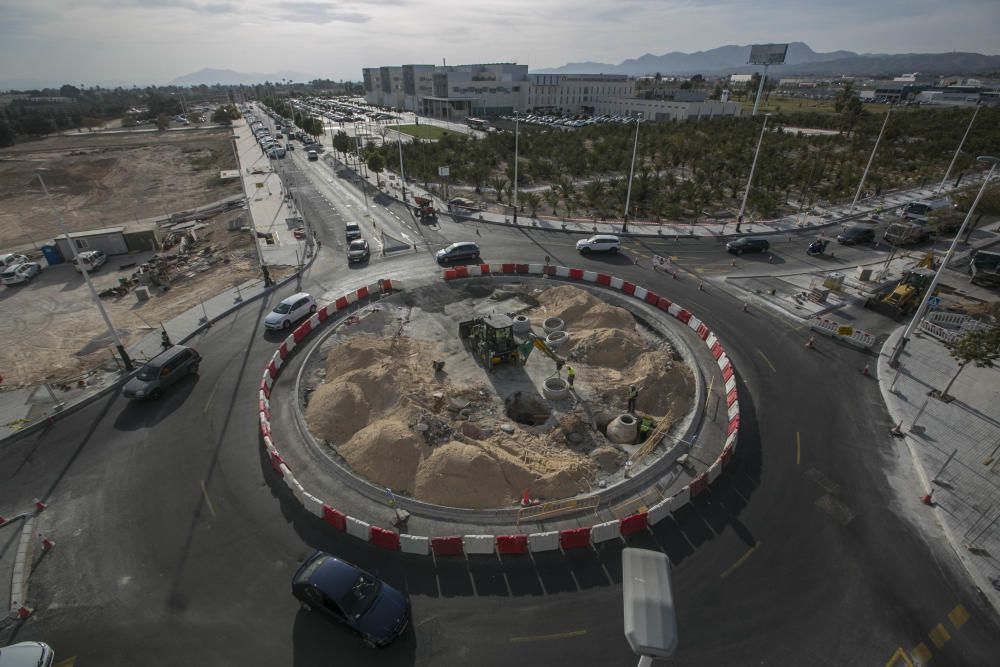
(939, 635)
(208, 500)
(900, 653)
(773, 369)
(68, 662)
(921, 653)
(729, 570)
(958, 616)
(543, 638)
(798, 448)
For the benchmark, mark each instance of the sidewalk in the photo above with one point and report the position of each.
(955, 448)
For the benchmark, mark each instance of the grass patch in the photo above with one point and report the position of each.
(424, 131)
(800, 105)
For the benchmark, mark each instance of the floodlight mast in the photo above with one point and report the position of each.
(766, 55)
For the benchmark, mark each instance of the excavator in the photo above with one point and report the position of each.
(908, 292)
(493, 342)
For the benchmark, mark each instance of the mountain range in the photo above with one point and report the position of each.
(228, 77)
(800, 59)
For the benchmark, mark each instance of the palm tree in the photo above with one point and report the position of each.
(594, 194)
(551, 197)
(567, 191)
(531, 200)
(499, 184)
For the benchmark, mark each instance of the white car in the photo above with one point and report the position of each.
(599, 243)
(11, 259)
(27, 654)
(20, 273)
(290, 310)
(89, 260)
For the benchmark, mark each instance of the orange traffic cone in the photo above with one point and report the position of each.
(745, 307)
(865, 371)
(526, 499)
(810, 342)
(47, 544)
(24, 611)
(928, 499)
(39, 505)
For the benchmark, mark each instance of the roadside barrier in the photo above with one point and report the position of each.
(574, 538)
(844, 332)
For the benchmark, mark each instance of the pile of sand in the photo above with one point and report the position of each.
(378, 389)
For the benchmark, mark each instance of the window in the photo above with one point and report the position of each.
(81, 244)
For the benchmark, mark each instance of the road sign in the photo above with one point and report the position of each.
(443, 171)
(934, 301)
(845, 330)
(768, 54)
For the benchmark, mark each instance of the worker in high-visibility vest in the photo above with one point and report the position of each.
(633, 393)
(570, 376)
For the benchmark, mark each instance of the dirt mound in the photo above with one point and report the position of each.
(387, 453)
(608, 458)
(464, 475)
(666, 386)
(606, 347)
(581, 310)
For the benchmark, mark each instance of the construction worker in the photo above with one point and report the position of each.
(165, 340)
(570, 376)
(633, 393)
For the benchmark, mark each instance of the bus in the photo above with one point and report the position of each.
(478, 123)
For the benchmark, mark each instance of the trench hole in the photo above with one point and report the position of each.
(527, 409)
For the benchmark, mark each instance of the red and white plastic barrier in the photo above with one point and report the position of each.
(505, 545)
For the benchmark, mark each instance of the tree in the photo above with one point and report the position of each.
(69, 91)
(6, 134)
(988, 205)
(532, 200)
(499, 184)
(980, 347)
(377, 164)
(225, 114)
(162, 122)
(551, 197)
(849, 106)
(342, 143)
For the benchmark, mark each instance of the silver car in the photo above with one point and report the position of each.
(161, 372)
(290, 310)
(27, 654)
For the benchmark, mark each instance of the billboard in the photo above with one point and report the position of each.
(768, 54)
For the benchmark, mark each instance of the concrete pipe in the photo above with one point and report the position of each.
(556, 389)
(522, 324)
(552, 324)
(556, 339)
(623, 430)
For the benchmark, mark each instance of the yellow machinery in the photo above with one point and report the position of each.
(905, 297)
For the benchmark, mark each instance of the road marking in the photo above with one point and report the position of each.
(68, 662)
(739, 562)
(208, 500)
(921, 653)
(798, 448)
(958, 616)
(939, 635)
(773, 369)
(543, 638)
(900, 653)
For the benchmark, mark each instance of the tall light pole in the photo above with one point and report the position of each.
(868, 166)
(753, 168)
(959, 149)
(515, 167)
(897, 352)
(402, 175)
(631, 173)
(86, 275)
(760, 91)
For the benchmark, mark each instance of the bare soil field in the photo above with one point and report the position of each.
(105, 179)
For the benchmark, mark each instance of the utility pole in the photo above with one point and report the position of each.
(871, 159)
(515, 167)
(631, 173)
(122, 352)
(760, 91)
(959, 149)
(753, 168)
(402, 175)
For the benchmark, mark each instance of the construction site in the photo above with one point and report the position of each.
(497, 394)
(169, 181)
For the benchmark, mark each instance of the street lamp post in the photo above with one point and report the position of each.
(959, 149)
(868, 166)
(897, 352)
(122, 352)
(515, 167)
(631, 173)
(402, 175)
(753, 168)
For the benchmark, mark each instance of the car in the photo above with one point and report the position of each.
(353, 231)
(161, 372)
(600, 243)
(857, 234)
(20, 273)
(345, 593)
(358, 251)
(457, 251)
(89, 260)
(11, 259)
(290, 310)
(27, 654)
(748, 244)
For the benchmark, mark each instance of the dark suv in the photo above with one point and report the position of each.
(748, 244)
(162, 371)
(457, 251)
(853, 235)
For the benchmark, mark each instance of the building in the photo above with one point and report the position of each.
(668, 109)
(119, 240)
(575, 93)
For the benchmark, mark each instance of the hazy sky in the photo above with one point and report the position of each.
(153, 41)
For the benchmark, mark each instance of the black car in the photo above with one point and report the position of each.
(457, 251)
(748, 244)
(348, 594)
(358, 251)
(853, 235)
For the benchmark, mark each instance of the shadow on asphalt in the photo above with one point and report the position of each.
(546, 573)
(138, 415)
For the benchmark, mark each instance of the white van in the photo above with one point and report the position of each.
(920, 210)
(89, 260)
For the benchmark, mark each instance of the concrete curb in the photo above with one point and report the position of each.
(456, 545)
(22, 567)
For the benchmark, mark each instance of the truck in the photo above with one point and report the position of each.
(920, 210)
(905, 233)
(984, 269)
(424, 208)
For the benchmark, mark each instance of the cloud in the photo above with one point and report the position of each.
(190, 5)
(318, 12)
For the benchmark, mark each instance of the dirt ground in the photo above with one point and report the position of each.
(58, 332)
(105, 179)
(465, 438)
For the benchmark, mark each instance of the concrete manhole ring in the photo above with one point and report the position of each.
(552, 324)
(557, 339)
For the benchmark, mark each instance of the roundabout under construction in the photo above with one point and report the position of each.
(499, 404)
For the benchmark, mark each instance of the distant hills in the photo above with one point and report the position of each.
(800, 60)
(228, 77)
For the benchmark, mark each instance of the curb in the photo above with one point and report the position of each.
(460, 545)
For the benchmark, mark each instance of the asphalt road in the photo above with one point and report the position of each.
(176, 542)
